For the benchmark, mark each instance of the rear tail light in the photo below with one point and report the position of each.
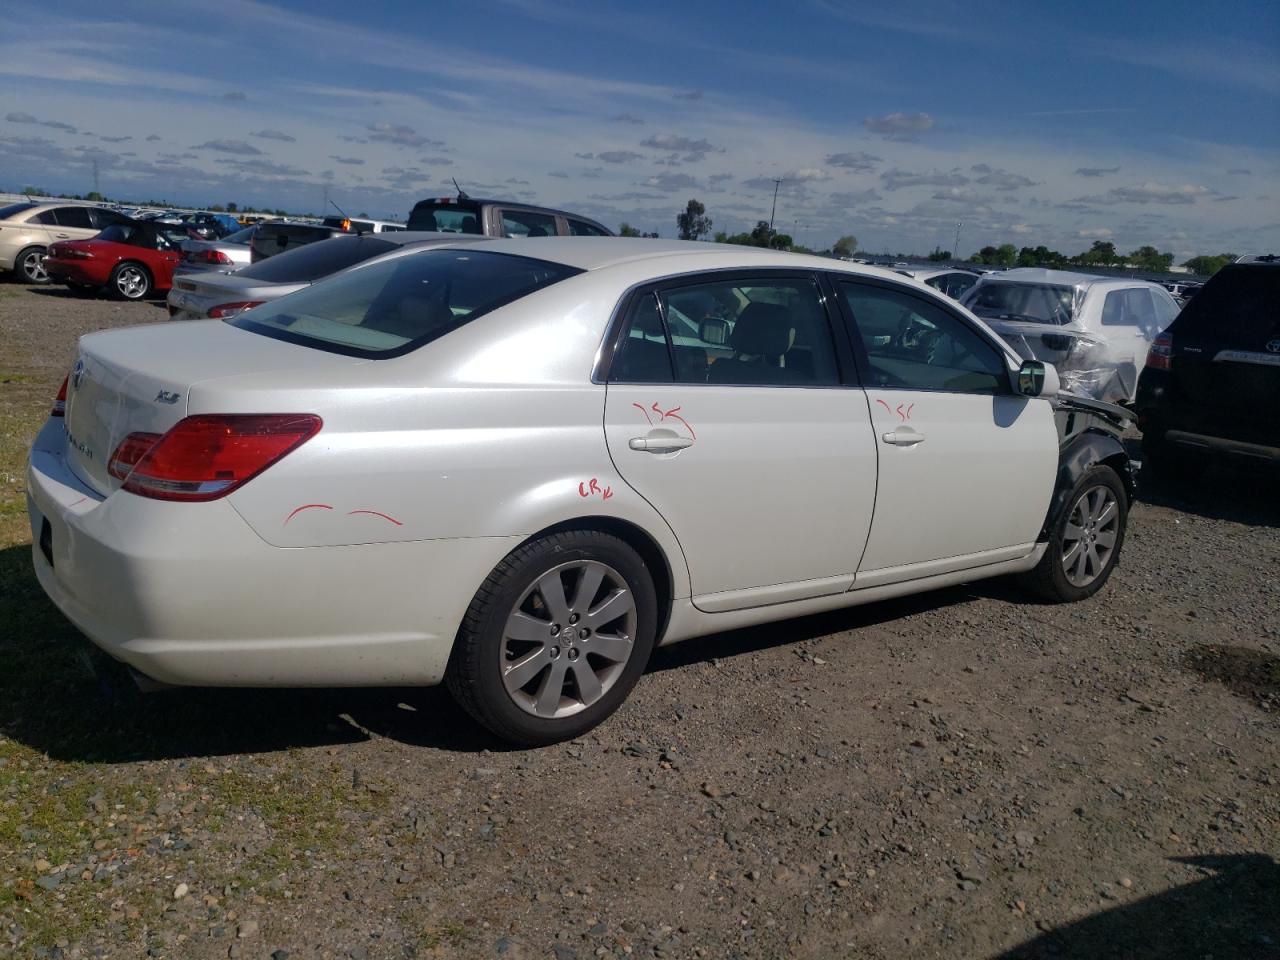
(225, 311)
(206, 256)
(132, 449)
(60, 401)
(1160, 354)
(207, 456)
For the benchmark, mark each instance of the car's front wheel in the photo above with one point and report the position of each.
(130, 281)
(555, 638)
(1085, 542)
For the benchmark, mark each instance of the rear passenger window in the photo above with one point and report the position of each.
(1130, 308)
(525, 223)
(578, 228)
(77, 217)
(749, 333)
(916, 345)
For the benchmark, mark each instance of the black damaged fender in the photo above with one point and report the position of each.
(1089, 433)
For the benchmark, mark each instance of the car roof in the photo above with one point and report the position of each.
(596, 253)
(1062, 278)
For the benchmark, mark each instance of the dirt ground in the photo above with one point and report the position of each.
(961, 774)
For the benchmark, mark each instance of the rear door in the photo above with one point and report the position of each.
(74, 223)
(1226, 356)
(727, 410)
(966, 466)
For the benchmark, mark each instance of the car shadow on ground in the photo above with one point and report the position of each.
(63, 697)
(156, 299)
(1218, 490)
(1234, 911)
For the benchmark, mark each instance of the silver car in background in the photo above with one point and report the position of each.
(221, 256)
(217, 296)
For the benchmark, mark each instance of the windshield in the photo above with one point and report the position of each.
(315, 260)
(446, 218)
(390, 308)
(1034, 302)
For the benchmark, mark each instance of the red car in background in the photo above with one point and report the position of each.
(131, 260)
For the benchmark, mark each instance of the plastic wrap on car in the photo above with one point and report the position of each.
(1085, 361)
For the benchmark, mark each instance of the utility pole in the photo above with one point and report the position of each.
(955, 251)
(95, 177)
(777, 182)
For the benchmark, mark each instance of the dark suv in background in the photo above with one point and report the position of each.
(1211, 385)
(499, 218)
(277, 236)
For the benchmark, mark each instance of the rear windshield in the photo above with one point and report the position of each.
(390, 308)
(446, 218)
(1240, 303)
(240, 236)
(316, 260)
(14, 209)
(1034, 302)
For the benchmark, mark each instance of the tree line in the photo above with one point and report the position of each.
(692, 223)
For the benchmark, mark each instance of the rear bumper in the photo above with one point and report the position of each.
(1237, 449)
(188, 594)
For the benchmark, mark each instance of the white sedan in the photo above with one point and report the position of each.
(516, 466)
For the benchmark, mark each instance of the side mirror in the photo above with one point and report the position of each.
(714, 330)
(1035, 378)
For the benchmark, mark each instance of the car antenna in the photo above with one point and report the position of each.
(462, 194)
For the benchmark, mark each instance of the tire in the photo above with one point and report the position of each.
(530, 685)
(130, 281)
(29, 265)
(1091, 526)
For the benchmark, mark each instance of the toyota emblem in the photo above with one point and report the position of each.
(1274, 345)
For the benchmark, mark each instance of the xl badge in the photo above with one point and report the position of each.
(77, 374)
(166, 396)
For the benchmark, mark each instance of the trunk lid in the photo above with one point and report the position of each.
(139, 380)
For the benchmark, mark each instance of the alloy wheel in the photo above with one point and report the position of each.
(1089, 537)
(131, 282)
(568, 639)
(33, 267)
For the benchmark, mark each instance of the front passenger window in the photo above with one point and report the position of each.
(916, 345)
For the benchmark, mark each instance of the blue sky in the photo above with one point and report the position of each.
(1035, 123)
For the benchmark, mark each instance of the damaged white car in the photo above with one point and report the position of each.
(1094, 330)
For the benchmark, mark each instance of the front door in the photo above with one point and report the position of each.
(966, 467)
(726, 410)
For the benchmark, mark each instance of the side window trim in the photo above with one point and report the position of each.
(859, 348)
(846, 369)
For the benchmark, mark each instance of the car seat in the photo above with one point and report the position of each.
(761, 337)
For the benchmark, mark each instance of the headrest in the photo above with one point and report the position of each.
(763, 330)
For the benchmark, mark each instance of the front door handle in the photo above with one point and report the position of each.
(63, 236)
(659, 443)
(904, 437)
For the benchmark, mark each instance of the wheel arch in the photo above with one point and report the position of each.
(1088, 449)
(654, 557)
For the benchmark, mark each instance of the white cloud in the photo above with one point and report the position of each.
(1096, 233)
(858, 162)
(900, 125)
(670, 181)
(896, 179)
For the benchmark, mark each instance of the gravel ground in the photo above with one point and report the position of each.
(960, 774)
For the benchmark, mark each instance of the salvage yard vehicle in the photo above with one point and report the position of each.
(954, 283)
(518, 465)
(222, 256)
(132, 260)
(500, 218)
(219, 296)
(1094, 330)
(27, 230)
(1211, 386)
(277, 236)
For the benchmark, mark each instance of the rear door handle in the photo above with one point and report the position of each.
(63, 236)
(904, 437)
(659, 444)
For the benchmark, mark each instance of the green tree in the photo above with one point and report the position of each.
(1207, 265)
(939, 255)
(1006, 255)
(1101, 254)
(762, 234)
(232, 208)
(693, 223)
(93, 196)
(846, 246)
(780, 241)
(627, 230)
(1149, 258)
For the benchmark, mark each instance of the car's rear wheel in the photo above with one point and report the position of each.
(130, 281)
(555, 638)
(1085, 542)
(30, 265)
